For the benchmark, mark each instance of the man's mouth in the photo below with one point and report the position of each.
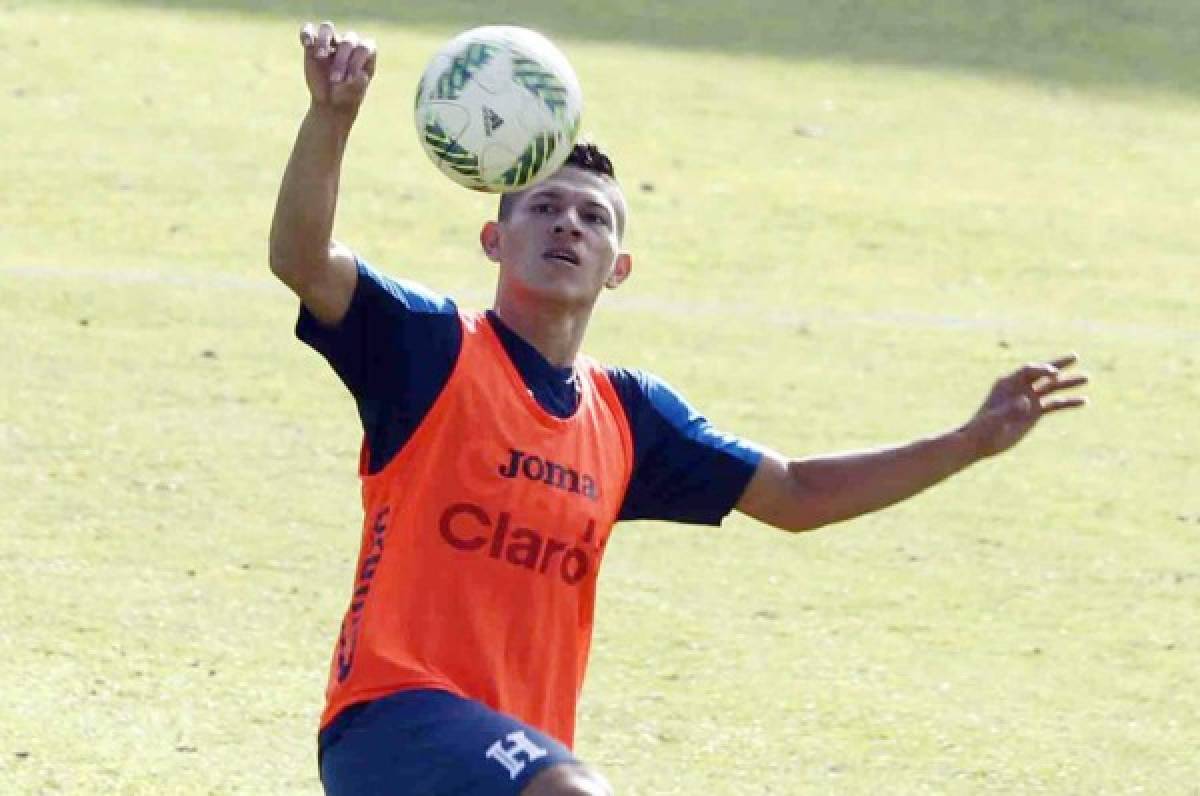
(562, 255)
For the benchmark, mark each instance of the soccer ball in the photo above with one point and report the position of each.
(498, 108)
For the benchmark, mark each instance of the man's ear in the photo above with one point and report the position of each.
(621, 270)
(489, 239)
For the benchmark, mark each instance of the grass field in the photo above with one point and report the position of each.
(846, 221)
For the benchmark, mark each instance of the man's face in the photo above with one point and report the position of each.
(560, 243)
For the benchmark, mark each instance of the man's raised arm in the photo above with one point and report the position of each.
(803, 494)
(303, 254)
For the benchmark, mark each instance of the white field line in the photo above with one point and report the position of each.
(1076, 328)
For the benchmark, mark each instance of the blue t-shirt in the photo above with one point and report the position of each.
(396, 346)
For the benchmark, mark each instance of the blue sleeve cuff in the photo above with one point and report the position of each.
(685, 470)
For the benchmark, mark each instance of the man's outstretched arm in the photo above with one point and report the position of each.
(803, 494)
(303, 253)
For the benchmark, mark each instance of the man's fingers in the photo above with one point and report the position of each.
(325, 39)
(1035, 371)
(362, 61)
(318, 40)
(1059, 404)
(1054, 385)
(1064, 362)
(343, 49)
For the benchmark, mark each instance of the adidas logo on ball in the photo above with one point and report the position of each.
(491, 120)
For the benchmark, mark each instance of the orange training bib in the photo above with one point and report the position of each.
(481, 545)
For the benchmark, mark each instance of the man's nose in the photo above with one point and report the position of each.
(567, 222)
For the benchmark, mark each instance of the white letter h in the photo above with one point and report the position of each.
(508, 756)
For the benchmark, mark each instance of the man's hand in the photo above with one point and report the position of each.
(337, 68)
(1019, 400)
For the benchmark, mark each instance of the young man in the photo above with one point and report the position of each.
(496, 460)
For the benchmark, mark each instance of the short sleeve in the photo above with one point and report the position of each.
(390, 324)
(394, 350)
(685, 470)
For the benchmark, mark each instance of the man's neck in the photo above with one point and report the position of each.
(555, 332)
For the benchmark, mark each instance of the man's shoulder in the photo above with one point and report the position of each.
(632, 377)
(640, 385)
(409, 294)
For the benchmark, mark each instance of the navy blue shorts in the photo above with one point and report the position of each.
(430, 743)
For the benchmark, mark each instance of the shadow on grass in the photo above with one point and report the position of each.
(1117, 44)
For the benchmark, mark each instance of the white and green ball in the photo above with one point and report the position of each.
(498, 108)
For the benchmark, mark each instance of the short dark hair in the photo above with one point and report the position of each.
(584, 155)
(589, 157)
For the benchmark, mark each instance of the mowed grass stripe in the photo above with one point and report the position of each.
(631, 302)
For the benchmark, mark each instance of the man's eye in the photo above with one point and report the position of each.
(541, 207)
(595, 218)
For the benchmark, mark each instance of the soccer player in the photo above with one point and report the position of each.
(496, 459)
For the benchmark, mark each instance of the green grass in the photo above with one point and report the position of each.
(968, 189)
